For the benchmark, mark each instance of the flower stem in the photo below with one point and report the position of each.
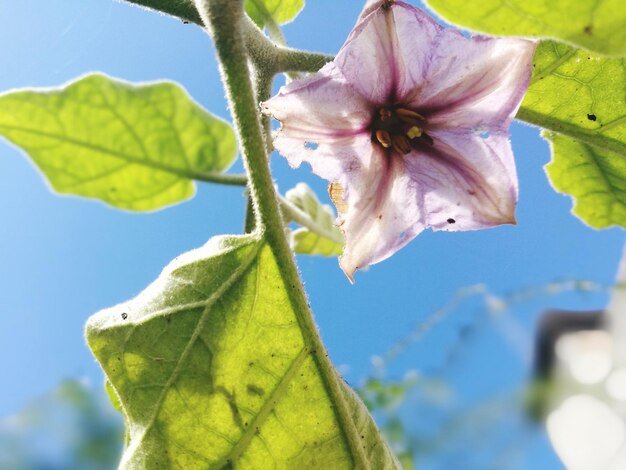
(225, 17)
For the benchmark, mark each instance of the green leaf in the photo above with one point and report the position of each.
(278, 11)
(213, 370)
(581, 97)
(135, 147)
(319, 234)
(597, 179)
(598, 26)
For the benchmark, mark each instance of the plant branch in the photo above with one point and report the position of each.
(262, 50)
(292, 212)
(225, 19)
(266, 53)
(185, 10)
(229, 179)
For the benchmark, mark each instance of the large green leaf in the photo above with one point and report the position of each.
(582, 97)
(135, 147)
(319, 234)
(280, 11)
(598, 25)
(213, 370)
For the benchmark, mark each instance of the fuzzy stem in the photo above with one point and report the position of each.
(228, 179)
(262, 50)
(224, 17)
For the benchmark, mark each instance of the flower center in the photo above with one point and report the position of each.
(395, 127)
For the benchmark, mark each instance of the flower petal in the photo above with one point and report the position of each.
(372, 58)
(463, 82)
(467, 182)
(486, 89)
(323, 108)
(382, 213)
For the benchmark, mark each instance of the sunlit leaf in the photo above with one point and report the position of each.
(136, 147)
(581, 96)
(322, 236)
(599, 25)
(281, 11)
(213, 370)
(596, 179)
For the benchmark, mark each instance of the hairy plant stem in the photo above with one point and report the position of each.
(262, 50)
(229, 179)
(226, 20)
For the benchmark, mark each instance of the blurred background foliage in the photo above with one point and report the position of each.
(427, 419)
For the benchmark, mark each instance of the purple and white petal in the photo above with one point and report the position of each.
(382, 210)
(467, 182)
(475, 83)
(372, 58)
(320, 109)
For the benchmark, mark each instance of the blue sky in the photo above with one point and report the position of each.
(63, 258)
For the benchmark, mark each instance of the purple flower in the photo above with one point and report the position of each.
(409, 123)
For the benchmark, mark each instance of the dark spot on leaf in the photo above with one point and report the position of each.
(124, 316)
(588, 29)
(254, 390)
(591, 117)
(451, 220)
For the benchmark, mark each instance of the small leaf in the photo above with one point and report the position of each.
(581, 97)
(281, 11)
(135, 147)
(320, 236)
(598, 26)
(213, 370)
(595, 178)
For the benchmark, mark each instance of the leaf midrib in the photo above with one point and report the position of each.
(217, 295)
(187, 174)
(592, 138)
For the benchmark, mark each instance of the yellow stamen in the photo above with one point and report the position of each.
(383, 138)
(414, 132)
(401, 144)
